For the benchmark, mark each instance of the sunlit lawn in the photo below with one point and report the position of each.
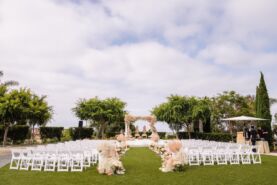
(142, 168)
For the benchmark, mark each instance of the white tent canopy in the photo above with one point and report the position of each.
(243, 118)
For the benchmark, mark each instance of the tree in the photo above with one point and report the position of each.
(12, 109)
(103, 114)
(176, 112)
(7, 83)
(164, 112)
(263, 108)
(201, 114)
(39, 112)
(230, 104)
(4, 85)
(17, 107)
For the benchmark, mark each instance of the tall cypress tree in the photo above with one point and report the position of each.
(263, 108)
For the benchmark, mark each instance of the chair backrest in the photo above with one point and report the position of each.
(16, 152)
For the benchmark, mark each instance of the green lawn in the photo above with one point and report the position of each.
(142, 168)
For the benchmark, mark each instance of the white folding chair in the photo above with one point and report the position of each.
(63, 161)
(193, 156)
(95, 156)
(37, 161)
(221, 156)
(50, 161)
(76, 161)
(207, 156)
(87, 158)
(234, 154)
(256, 156)
(26, 159)
(15, 160)
(245, 152)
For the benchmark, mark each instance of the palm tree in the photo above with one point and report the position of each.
(7, 83)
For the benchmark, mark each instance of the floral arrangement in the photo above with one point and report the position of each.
(172, 157)
(154, 144)
(121, 146)
(161, 150)
(109, 160)
(118, 168)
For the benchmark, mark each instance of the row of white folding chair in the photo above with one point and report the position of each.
(222, 155)
(88, 152)
(63, 160)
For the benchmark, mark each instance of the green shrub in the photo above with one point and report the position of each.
(162, 135)
(16, 133)
(66, 135)
(51, 140)
(171, 136)
(223, 137)
(111, 134)
(80, 133)
(51, 132)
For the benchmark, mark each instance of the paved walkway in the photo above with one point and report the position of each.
(272, 154)
(5, 156)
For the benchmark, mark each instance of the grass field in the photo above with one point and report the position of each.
(142, 168)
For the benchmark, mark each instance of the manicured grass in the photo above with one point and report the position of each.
(142, 168)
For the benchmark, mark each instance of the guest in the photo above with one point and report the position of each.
(245, 132)
(253, 135)
(260, 133)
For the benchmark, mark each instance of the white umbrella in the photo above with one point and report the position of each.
(243, 118)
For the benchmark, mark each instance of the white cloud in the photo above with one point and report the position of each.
(139, 51)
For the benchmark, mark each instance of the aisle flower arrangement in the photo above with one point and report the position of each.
(154, 144)
(109, 160)
(173, 159)
(121, 146)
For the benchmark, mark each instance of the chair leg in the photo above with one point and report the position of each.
(50, 165)
(77, 165)
(234, 159)
(256, 158)
(245, 159)
(14, 164)
(63, 165)
(37, 165)
(25, 164)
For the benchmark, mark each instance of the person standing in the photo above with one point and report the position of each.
(245, 132)
(253, 136)
(260, 133)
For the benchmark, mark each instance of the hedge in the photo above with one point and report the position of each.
(80, 133)
(111, 134)
(15, 133)
(223, 137)
(50, 132)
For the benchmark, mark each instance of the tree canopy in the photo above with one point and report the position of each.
(106, 115)
(263, 108)
(230, 104)
(21, 106)
(181, 112)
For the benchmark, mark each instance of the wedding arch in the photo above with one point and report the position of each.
(130, 119)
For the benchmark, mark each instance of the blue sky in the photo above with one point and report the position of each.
(140, 51)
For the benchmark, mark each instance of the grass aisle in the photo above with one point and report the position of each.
(142, 168)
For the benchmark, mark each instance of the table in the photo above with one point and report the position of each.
(263, 147)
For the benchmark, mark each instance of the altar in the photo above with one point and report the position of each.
(262, 145)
